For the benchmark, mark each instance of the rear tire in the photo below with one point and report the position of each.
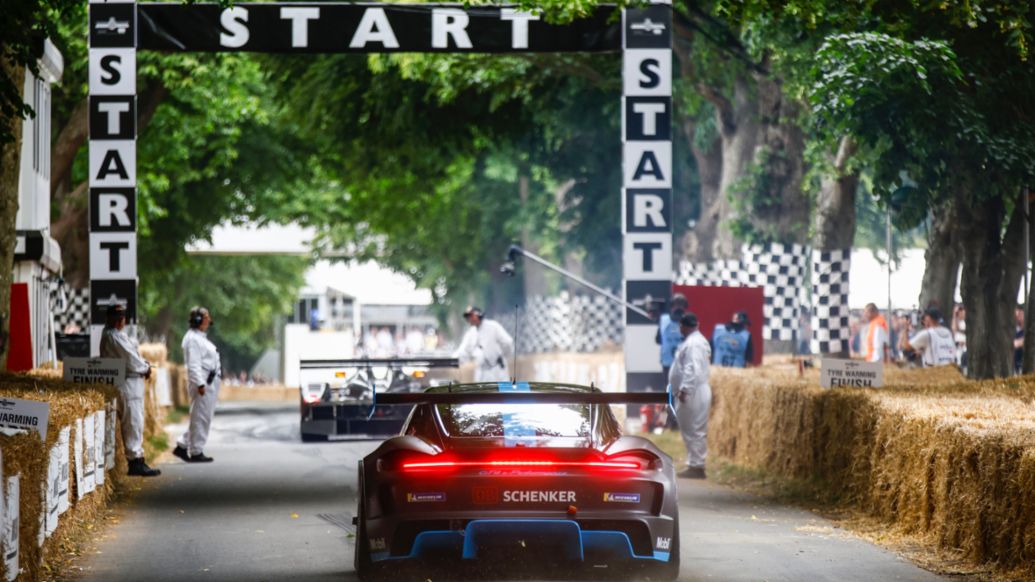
(308, 437)
(361, 558)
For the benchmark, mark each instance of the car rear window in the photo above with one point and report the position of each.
(515, 420)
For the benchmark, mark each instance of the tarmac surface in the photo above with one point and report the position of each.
(273, 508)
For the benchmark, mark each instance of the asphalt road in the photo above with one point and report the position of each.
(273, 508)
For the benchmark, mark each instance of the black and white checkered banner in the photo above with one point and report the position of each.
(830, 324)
(647, 183)
(566, 323)
(779, 269)
(113, 160)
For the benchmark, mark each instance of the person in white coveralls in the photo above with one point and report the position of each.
(488, 345)
(116, 344)
(691, 394)
(203, 370)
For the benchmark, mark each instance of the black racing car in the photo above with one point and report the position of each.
(540, 473)
(336, 399)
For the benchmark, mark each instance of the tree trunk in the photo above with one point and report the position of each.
(10, 166)
(739, 127)
(992, 269)
(697, 244)
(835, 211)
(784, 215)
(1028, 361)
(943, 257)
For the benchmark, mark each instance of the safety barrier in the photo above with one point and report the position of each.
(931, 454)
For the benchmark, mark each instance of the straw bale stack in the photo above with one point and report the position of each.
(27, 455)
(931, 454)
(157, 354)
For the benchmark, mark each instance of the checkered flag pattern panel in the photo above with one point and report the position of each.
(830, 327)
(779, 269)
(566, 323)
(77, 310)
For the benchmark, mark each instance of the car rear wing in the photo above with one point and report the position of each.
(524, 397)
(389, 362)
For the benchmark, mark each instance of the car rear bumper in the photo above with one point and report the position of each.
(565, 539)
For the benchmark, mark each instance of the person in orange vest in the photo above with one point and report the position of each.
(875, 347)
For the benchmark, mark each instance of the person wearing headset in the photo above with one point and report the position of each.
(203, 370)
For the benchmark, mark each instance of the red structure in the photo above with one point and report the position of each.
(19, 356)
(715, 305)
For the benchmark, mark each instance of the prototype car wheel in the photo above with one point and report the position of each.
(361, 559)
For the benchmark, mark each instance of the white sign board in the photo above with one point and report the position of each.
(64, 440)
(163, 394)
(109, 440)
(89, 454)
(100, 430)
(27, 414)
(837, 373)
(95, 370)
(53, 484)
(77, 450)
(12, 523)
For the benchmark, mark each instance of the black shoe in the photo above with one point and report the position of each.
(181, 453)
(200, 458)
(692, 473)
(138, 468)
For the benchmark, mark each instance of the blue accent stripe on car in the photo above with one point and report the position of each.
(513, 387)
(571, 539)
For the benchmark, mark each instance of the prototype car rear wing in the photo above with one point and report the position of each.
(524, 397)
(390, 362)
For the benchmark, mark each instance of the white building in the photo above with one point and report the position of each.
(37, 257)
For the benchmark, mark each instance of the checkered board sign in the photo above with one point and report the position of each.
(779, 269)
(830, 326)
(565, 323)
(76, 312)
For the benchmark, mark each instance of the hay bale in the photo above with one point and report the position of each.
(155, 353)
(178, 385)
(24, 454)
(29, 456)
(931, 454)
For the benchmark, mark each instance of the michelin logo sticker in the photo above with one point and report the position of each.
(425, 497)
(621, 497)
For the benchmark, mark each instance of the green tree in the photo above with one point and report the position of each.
(247, 297)
(947, 125)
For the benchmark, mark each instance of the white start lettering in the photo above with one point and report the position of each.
(539, 497)
(664, 543)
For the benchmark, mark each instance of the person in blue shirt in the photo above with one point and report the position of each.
(668, 330)
(731, 342)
